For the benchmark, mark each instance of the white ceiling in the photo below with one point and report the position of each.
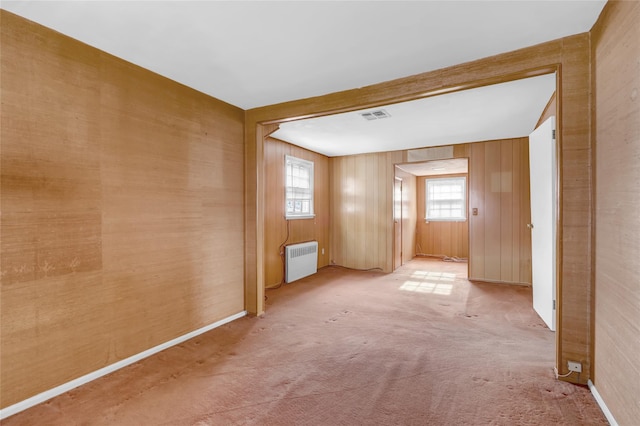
(500, 111)
(257, 53)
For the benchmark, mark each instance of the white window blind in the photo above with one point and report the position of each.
(299, 188)
(446, 199)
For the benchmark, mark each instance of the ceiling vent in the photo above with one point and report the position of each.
(375, 115)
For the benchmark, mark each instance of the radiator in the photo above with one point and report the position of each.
(301, 260)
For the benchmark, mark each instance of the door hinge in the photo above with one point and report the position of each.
(554, 305)
(553, 134)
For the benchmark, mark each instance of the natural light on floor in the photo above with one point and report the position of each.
(430, 282)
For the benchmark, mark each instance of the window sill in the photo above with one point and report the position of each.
(445, 220)
(307, 216)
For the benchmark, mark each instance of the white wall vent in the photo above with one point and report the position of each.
(375, 115)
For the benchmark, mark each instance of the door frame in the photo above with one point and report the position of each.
(538, 60)
(467, 186)
(397, 230)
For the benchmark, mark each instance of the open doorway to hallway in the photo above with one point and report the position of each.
(434, 208)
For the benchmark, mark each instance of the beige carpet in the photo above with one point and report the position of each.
(422, 346)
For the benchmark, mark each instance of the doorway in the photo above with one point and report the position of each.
(441, 226)
(397, 222)
(388, 227)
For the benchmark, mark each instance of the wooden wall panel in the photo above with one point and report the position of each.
(616, 56)
(500, 242)
(436, 238)
(477, 200)
(409, 214)
(300, 230)
(492, 207)
(524, 257)
(507, 211)
(122, 206)
(361, 210)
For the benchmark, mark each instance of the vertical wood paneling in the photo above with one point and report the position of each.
(409, 214)
(476, 200)
(360, 245)
(499, 187)
(437, 238)
(492, 218)
(300, 230)
(616, 53)
(392, 158)
(409, 218)
(507, 211)
(335, 199)
(516, 225)
(361, 200)
(525, 215)
(275, 229)
(122, 209)
(382, 234)
(372, 202)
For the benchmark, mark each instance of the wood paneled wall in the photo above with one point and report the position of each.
(409, 214)
(500, 242)
(440, 238)
(122, 207)
(616, 65)
(361, 210)
(300, 229)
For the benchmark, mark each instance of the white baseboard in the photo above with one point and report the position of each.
(44, 396)
(602, 405)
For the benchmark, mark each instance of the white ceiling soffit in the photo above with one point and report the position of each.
(256, 53)
(499, 111)
(437, 167)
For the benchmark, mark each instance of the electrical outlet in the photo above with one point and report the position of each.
(323, 252)
(574, 366)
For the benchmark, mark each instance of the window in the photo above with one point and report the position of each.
(446, 199)
(299, 188)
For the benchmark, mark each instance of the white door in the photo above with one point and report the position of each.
(542, 165)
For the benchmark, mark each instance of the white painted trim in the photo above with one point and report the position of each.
(44, 396)
(602, 405)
